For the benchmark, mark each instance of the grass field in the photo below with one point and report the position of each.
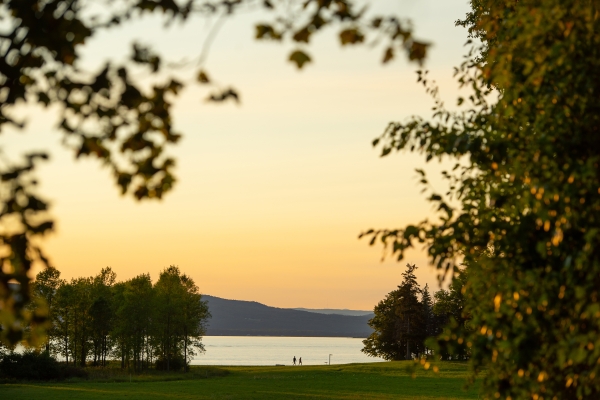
(389, 380)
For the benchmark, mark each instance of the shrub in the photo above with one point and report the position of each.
(175, 364)
(32, 365)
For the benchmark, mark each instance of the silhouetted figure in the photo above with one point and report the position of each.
(294, 360)
(300, 361)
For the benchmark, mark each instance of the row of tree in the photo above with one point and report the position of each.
(143, 324)
(408, 316)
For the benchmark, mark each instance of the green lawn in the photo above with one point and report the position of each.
(389, 380)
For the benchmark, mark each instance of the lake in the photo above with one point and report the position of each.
(267, 350)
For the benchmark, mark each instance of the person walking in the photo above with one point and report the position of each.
(300, 361)
(294, 360)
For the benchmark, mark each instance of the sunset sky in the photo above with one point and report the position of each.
(272, 193)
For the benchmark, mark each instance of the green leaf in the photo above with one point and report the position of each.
(418, 51)
(351, 36)
(203, 77)
(388, 55)
(299, 58)
(303, 35)
(264, 31)
(224, 95)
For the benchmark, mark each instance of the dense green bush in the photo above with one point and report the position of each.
(175, 364)
(33, 365)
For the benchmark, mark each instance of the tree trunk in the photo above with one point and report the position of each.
(168, 342)
(407, 341)
(83, 351)
(67, 349)
(185, 352)
(66, 343)
(74, 351)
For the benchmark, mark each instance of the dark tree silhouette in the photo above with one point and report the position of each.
(401, 322)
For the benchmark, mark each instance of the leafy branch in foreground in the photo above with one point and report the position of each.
(525, 210)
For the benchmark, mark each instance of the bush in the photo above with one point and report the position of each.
(175, 364)
(32, 365)
(72, 372)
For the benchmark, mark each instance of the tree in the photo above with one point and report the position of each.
(429, 317)
(64, 310)
(168, 301)
(108, 115)
(82, 325)
(101, 313)
(45, 287)
(399, 324)
(521, 213)
(180, 318)
(194, 314)
(383, 342)
(411, 319)
(134, 314)
(452, 317)
(120, 329)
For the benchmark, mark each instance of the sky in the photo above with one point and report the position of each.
(273, 192)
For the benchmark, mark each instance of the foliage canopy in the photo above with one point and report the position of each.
(399, 324)
(96, 319)
(523, 203)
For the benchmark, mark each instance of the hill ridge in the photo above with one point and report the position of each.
(251, 318)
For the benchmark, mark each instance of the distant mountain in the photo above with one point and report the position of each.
(249, 318)
(344, 311)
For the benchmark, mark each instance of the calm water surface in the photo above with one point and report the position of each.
(266, 350)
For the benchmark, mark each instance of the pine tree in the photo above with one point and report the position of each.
(428, 315)
(411, 321)
(399, 323)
